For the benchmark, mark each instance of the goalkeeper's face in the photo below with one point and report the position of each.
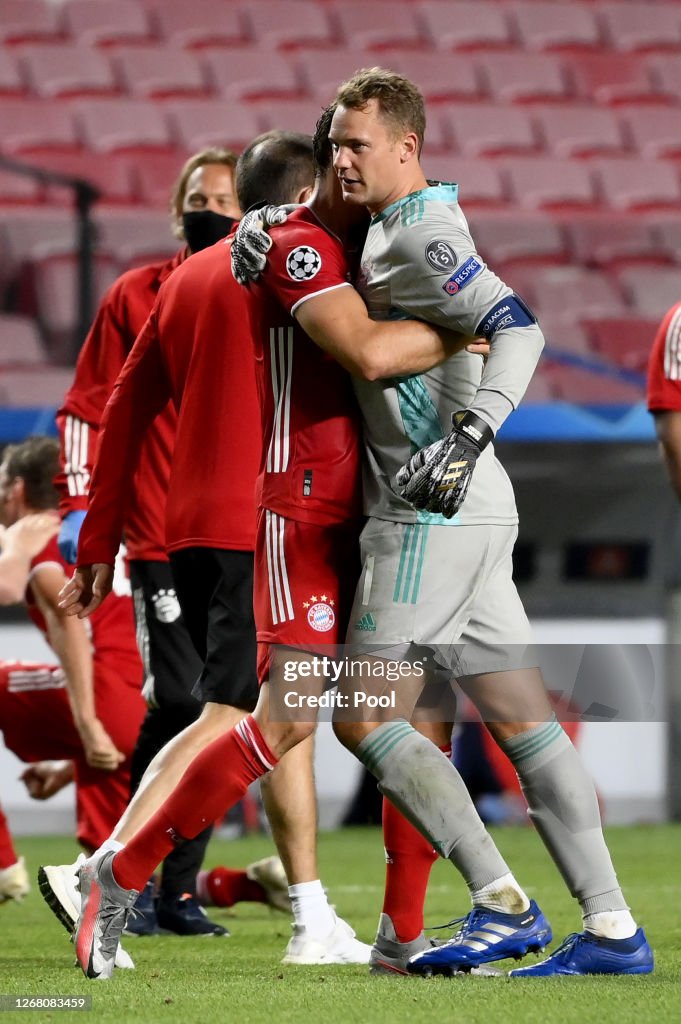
(369, 157)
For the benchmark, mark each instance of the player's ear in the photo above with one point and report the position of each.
(409, 147)
(304, 194)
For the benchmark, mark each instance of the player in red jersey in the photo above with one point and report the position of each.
(664, 391)
(203, 208)
(295, 479)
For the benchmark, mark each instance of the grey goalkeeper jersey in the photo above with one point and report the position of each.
(419, 262)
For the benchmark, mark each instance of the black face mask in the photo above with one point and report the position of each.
(203, 228)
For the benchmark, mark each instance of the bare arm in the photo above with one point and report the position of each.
(338, 321)
(69, 639)
(19, 544)
(668, 429)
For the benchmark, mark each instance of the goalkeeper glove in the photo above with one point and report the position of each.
(437, 478)
(251, 243)
(67, 541)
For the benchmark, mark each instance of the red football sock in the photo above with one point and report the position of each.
(214, 781)
(409, 859)
(8, 855)
(225, 887)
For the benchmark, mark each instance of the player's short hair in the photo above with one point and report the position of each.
(399, 100)
(211, 155)
(321, 147)
(36, 462)
(274, 168)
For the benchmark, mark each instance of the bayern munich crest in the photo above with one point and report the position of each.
(320, 614)
(303, 263)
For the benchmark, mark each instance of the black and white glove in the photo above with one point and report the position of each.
(437, 478)
(251, 243)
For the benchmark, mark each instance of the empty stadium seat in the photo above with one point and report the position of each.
(36, 125)
(11, 82)
(668, 237)
(612, 78)
(626, 341)
(478, 180)
(562, 336)
(131, 236)
(487, 130)
(651, 291)
(579, 131)
(524, 77)
(372, 25)
(196, 124)
(584, 387)
(240, 73)
(18, 188)
(20, 342)
(294, 24)
(108, 126)
(543, 182)
(288, 115)
(642, 26)
(28, 21)
(638, 184)
(666, 73)
(199, 23)
(573, 293)
(112, 175)
(440, 76)
(654, 133)
(36, 231)
(322, 71)
(612, 241)
(61, 69)
(459, 25)
(152, 72)
(54, 284)
(44, 385)
(107, 21)
(517, 238)
(556, 26)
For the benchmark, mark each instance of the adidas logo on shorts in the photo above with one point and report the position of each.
(367, 623)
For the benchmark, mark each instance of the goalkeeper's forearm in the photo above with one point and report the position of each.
(513, 357)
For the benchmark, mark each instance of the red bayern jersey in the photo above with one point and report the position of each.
(664, 366)
(121, 316)
(195, 348)
(310, 469)
(112, 625)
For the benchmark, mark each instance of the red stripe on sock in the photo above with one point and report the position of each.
(214, 781)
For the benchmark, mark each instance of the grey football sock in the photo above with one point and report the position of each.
(425, 786)
(563, 806)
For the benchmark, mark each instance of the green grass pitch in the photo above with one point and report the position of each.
(240, 979)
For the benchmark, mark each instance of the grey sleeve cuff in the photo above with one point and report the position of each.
(512, 360)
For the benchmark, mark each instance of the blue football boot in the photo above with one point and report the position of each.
(485, 936)
(584, 953)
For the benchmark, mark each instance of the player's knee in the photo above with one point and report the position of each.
(350, 734)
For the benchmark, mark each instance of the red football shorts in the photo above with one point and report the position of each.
(304, 583)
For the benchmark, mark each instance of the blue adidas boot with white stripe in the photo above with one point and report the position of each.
(485, 936)
(584, 953)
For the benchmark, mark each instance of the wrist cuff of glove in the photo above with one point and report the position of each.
(473, 427)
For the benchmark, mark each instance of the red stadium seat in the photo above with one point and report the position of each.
(540, 183)
(556, 26)
(36, 232)
(41, 385)
(18, 188)
(612, 78)
(196, 124)
(322, 71)
(200, 23)
(564, 336)
(459, 25)
(488, 130)
(112, 176)
(289, 115)
(666, 72)
(518, 238)
(668, 236)
(152, 72)
(440, 76)
(295, 24)
(55, 291)
(626, 341)
(650, 290)
(612, 241)
(642, 26)
(654, 133)
(584, 387)
(638, 184)
(36, 125)
(24, 21)
(572, 293)
(64, 69)
(20, 342)
(109, 126)
(579, 131)
(107, 21)
(154, 175)
(478, 180)
(372, 25)
(135, 235)
(11, 82)
(524, 77)
(241, 73)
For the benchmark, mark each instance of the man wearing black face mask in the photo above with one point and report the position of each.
(203, 209)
